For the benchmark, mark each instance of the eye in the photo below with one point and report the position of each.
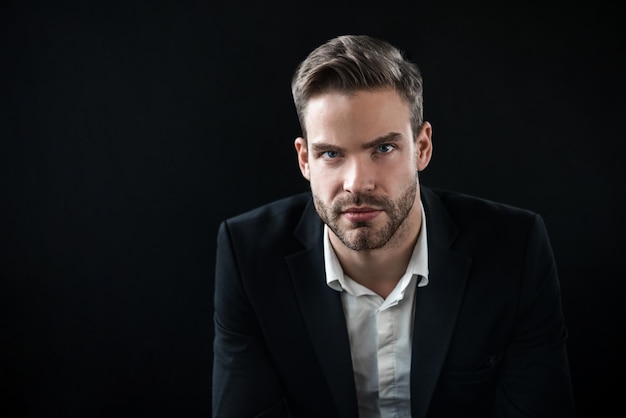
(330, 154)
(384, 148)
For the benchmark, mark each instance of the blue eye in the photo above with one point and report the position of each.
(330, 154)
(385, 148)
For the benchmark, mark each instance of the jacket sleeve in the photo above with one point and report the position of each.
(535, 375)
(244, 381)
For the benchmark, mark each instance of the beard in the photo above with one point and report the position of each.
(363, 235)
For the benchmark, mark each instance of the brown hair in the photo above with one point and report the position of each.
(357, 62)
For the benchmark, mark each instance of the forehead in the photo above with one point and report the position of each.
(363, 113)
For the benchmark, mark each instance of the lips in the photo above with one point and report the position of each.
(360, 214)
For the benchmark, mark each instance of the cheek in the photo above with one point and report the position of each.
(399, 176)
(325, 183)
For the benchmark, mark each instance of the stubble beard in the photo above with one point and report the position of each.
(362, 236)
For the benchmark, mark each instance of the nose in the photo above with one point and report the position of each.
(359, 176)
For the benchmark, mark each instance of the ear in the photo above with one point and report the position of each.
(303, 157)
(424, 146)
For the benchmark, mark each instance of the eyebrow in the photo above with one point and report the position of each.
(385, 139)
(390, 137)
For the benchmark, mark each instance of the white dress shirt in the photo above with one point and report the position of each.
(380, 332)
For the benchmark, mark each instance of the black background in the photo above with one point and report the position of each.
(128, 130)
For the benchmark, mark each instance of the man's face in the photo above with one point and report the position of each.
(362, 160)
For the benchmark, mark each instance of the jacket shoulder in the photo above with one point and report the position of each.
(461, 205)
(265, 234)
(284, 213)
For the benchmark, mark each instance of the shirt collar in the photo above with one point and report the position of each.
(417, 267)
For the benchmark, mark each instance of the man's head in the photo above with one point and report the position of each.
(359, 103)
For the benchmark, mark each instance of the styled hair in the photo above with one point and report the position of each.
(350, 63)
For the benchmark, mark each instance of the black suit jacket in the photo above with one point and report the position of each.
(489, 334)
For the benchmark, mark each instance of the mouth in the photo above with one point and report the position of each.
(360, 214)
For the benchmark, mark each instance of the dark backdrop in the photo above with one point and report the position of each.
(128, 130)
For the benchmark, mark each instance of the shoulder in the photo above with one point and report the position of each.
(491, 232)
(278, 209)
(265, 234)
(282, 215)
(462, 206)
(474, 220)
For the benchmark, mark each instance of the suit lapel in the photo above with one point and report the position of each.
(436, 305)
(323, 313)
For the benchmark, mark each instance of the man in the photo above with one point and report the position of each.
(372, 296)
